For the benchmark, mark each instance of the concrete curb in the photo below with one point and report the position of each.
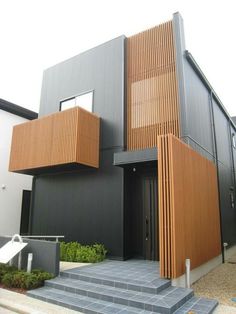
(13, 307)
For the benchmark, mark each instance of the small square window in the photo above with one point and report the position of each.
(67, 104)
(84, 101)
(233, 141)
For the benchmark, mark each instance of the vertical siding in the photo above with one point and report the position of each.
(71, 136)
(189, 222)
(152, 99)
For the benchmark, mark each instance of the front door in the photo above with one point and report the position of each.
(143, 217)
(150, 217)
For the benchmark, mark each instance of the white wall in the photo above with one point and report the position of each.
(11, 196)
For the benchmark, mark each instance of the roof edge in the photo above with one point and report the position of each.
(17, 110)
(205, 81)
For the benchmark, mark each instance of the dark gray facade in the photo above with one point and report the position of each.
(93, 205)
(206, 126)
(86, 205)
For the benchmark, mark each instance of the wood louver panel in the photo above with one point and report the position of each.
(152, 98)
(67, 137)
(189, 222)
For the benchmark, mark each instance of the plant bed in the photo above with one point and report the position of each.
(75, 252)
(19, 280)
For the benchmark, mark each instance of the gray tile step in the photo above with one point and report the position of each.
(198, 306)
(166, 301)
(153, 286)
(82, 304)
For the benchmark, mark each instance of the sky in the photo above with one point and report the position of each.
(36, 34)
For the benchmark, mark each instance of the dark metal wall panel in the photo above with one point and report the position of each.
(100, 69)
(86, 206)
(228, 214)
(205, 126)
(198, 113)
(223, 140)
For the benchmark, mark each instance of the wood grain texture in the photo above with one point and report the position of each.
(70, 136)
(189, 222)
(152, 98)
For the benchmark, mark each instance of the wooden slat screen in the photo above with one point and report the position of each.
(152, 98)
(189, 223)
(70, 136)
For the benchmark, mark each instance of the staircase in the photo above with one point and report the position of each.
(120, 287)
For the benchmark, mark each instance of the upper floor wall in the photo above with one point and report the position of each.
(100, 70)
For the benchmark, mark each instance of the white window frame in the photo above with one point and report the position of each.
(233, 141)
(76, 96)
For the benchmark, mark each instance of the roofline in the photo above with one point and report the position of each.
(205, 81)
(17, 110)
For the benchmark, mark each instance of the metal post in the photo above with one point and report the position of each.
(187, 265)
(19, 256)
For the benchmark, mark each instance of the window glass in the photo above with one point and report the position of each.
(67, 104)
(85, 101)
(233, 141)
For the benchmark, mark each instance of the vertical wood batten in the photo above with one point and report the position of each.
(152, 100)
(189, 225)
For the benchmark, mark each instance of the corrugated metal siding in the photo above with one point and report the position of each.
(201, 127)
(198, 114)
(226, 179)
(100, 69)
(152, 98)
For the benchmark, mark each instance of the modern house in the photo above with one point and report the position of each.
(15, 189)
(133, 149)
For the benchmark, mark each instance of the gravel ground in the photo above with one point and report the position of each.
(218, 284)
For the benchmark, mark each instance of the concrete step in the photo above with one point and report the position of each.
(198, 306)
(82, 304)
(166, 301)
(154, 286)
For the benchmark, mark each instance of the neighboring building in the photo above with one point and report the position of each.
(15, 189)
(141, 192)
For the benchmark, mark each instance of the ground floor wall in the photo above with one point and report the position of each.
(85, 206)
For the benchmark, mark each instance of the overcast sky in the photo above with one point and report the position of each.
(36, 34)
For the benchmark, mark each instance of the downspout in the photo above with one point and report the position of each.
(232, 160)
(217, 167)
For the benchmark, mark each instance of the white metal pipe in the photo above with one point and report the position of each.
(187, 265)
(29, 262)
(19, 256)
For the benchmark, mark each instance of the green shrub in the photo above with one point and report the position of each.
(75, 252)
(13, 278)
(5, 269)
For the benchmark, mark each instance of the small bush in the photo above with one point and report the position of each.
(5, 269)
(75, 252)
(13, 278)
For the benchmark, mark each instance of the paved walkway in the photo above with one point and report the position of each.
(12, 302)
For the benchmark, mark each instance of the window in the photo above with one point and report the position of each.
(233, 141)
(84, 101)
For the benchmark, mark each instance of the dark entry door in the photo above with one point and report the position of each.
(25, 212)
(150, 217)
(144, 213)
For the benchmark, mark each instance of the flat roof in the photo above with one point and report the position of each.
(17, 110)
